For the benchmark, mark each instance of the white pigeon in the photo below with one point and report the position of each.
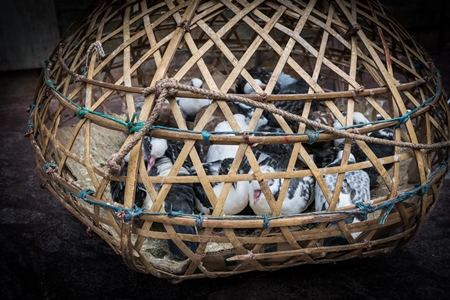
(238, 195)
(298, 198)
(249, 90)
(245, 109)
(355, 188)
(285, 80)
(191, 106)
(220, 152)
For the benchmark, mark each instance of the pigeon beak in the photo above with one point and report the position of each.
(151, 162)
(256, 194)
(235, 185)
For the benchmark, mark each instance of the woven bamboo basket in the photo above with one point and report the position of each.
(353, 56)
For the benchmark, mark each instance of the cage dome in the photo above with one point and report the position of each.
(319, 134)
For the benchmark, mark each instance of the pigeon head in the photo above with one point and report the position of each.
(153, 149)
(274, 184)
(351, 158)
(359, 118)
(196, 82)
(248, 89)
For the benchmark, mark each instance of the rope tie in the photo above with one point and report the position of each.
(186, 25)
(386, 213)
(84, 193)
(206, 135)
(128, 214)
(365, 208)
(30, 125)
(50, 167)
(82, 111)
(199, 221)
(266, 224)
(172, 213)
(352, 31)
(98, 48)
(357, 91)
(246, 137)
(403, 119)
(311, 139)
(249, 256)
(148, 90)
(115, 163)
(423, 190)
(131, 124)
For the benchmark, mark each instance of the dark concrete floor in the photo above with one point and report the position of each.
(45, 252)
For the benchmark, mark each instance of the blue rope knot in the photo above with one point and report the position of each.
(131, 213)
(130, 125)
(403, 119)
(206, 136)
(417, 66)
(51, 84)
(365, 208)
(50, 165)
(82, 111)
(423, 190)
(32, 106)
(312, 139)
(199, 221)
(172, 213)
(386, 213)
(84, 193)
(266, 224)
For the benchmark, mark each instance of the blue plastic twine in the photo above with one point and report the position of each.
(206, 135)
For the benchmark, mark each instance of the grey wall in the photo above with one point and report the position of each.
(30, 29)
(28, 33)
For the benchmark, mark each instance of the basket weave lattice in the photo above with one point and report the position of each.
(354, 56)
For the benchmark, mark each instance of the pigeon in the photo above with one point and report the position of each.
(295, 107)
(220, 152)
(180, 197)
(355, 188)
(153, 148)
(358, 119)
(238, 195)
(299, 196)
(274, 155)
(324, 117)
(141, 197)
(257, 73)
(237, 198)
(326, 155)
(202, 203)
(380, 151)
(245, 109)
(191, 106)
